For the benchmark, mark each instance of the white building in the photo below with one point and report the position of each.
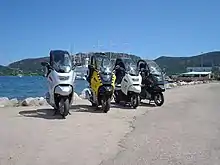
(195, 76)
(199, 69)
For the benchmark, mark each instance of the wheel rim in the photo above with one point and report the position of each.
(61, 107)
(133, 100)
(103, 103)
(158, 98)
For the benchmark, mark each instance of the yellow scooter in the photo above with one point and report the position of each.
(101, 79)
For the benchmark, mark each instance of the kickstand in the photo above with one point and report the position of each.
(69, 113)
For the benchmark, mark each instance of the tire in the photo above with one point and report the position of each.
(135, 101)
(117, 101)
(159, 99)
(94, 104)
(65, 105)
(106, 104)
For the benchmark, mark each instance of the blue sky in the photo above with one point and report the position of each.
(148, 28)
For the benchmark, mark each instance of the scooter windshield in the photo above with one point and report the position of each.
(62, 62)
(130, 67)
(104, 64)
(155, 70)
(132, 70)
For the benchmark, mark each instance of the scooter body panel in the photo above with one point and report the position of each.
(131, 84)
(99, 88)
(60, 84)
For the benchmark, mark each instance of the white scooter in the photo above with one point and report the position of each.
(129, 89)
(60, 75)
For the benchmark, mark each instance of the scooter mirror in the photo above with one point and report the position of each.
(91, 66)
(74, 66)
(117, 67)
(45, 64)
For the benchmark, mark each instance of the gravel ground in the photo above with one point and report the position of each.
(185, 130)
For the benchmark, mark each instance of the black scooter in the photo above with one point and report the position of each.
(152, 87)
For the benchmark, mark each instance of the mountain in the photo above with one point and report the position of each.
(29, 66)
(175, 65)
(4, 70)
(172, 65)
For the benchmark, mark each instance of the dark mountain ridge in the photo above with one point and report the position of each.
(172, 65)
(178, 64)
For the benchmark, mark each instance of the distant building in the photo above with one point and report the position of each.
(199, 69)
(196, 74)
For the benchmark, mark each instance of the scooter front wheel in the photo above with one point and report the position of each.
(135, 101)
(64, 107)
(116, 99)
(106, 104)
(159, 99)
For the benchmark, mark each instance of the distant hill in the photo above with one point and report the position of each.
(4, 70)
(29, 66)
(172, 65)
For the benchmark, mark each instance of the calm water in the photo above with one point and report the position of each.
(23, 87)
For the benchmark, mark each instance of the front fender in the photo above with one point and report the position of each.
(106, 90)
(63, 90)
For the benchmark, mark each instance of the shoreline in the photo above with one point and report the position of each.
(41, 101)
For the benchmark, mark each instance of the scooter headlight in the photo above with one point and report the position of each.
(159, 78)
(64, 77)
(135, 79)
(106, 77)
(162, 86)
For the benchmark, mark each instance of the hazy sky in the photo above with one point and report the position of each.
(148, 28)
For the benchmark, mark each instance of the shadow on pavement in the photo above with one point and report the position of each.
(40, 113)
(121, 105)
(85, 108)
(49, 113)
(124, 106)
(144, 104)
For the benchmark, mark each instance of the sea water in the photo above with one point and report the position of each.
(27, 86)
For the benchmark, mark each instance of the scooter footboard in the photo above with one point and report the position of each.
(63, 90)
(135, 88)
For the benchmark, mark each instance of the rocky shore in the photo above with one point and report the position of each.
(182, 83)
(41, 101)
(31, 101)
